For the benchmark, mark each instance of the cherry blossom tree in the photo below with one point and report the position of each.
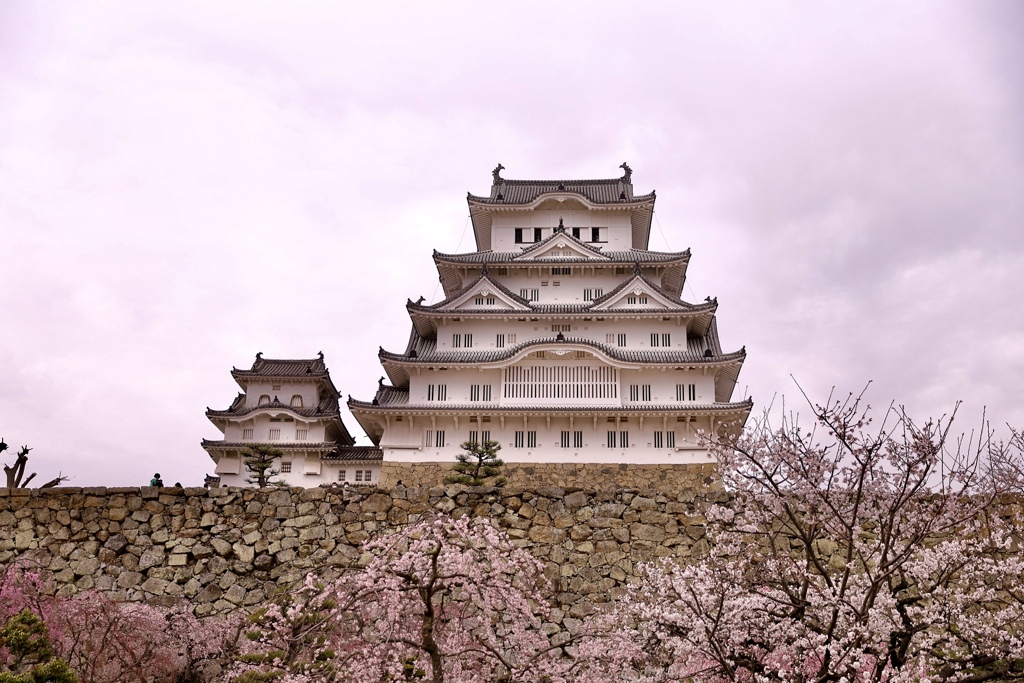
(847, 552)
(444, 600)
(105, 641)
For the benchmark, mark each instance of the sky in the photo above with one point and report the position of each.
(185, 184)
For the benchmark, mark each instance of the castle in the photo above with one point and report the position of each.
(563, 337)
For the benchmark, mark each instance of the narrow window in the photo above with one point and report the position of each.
(296, 401)
(467, 341)
(520, 439)
(659, 439)
(275, 434)
(367, 476)
(300, 434)
(576, 232)
(264, 400)
(474, 392)
(588, 295)
(275, 387)
(519, 235)
(487, 392)
(442, 392)
(359, 475)
(611, 438)
(485, 436)
(630, 299)
(666, 339)
(624, 439)
(622, 339)
(474, 437)
(490, 301)
(479, 301)
(534, 295)
(670, 439)
(577, 439)
(595, 234)
(654, 339)
(565, 439)
(286, 466)
(538, 234)
(693, 392)
(634, 392)
(511, 338)
(456, 341)
(499, 341)
(439, 438)
(247, 433)
(430, 438)
(645, 392)
(341, 475)
(525, 294)
(531, 439)
(610, 337)
(430, 392)
(561, 328)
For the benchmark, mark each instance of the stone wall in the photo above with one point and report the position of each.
(228, 548)
(601, 477)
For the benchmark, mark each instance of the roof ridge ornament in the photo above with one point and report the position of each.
(636, 268)
(485, 270)
(496, 174)
(627, 175)
(561, 225)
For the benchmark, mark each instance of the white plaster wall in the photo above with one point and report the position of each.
(261, 426)
(638, 331)
(458, 385)
(307, 390)
(329, 471)
(595, 450)
(619, 233)
(569, 288)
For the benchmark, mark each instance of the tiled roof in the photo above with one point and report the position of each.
(327, 407)
(287, 368)
(356, 454)
(393, 400)
(269, 367)
(482, 277)
(560, 309)
(557, 308)
(628, 257)
(283, 445)
(603, 191)
(426, 352)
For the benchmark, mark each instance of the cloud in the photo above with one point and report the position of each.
(183, 185)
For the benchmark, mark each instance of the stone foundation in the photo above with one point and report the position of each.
(229, 548)
(665, 478)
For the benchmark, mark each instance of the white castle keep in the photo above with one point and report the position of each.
(291, 405)
(562, 337)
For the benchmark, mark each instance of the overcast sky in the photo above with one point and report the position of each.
(183, 184)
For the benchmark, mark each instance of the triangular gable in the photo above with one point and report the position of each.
(638, 292)
(488, 290)
(558, 246)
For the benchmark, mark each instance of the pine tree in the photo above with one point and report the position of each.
(259, 461)
(477, 463)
